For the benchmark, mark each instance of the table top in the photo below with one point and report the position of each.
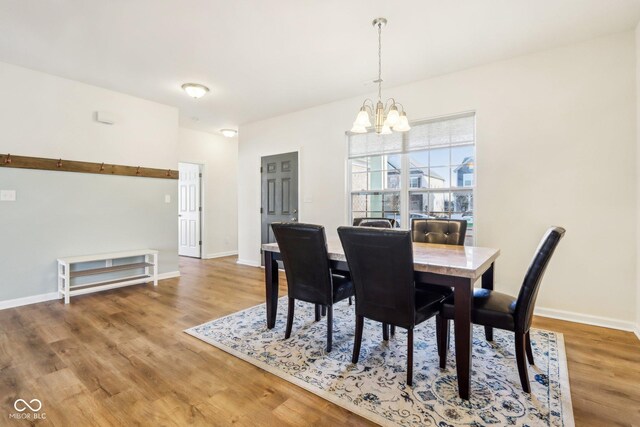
(450, 260)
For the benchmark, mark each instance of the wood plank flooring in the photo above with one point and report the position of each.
(120, 358)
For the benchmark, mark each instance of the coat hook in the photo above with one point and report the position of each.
(7, 160)
(59, 164)
(102, 167)
(138, 171)
(169, 172)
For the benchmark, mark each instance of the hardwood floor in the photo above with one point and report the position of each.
(120, 358)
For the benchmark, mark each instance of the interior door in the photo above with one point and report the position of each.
(189, 210)
(279, 192)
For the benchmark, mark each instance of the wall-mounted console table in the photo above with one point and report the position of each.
(94, 273)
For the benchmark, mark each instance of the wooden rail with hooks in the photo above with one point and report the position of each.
(40, 163)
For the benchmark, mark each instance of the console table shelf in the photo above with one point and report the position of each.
(66, 272)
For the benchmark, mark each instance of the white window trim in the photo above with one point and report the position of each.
(405, 191)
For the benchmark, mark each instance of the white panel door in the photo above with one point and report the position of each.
(189, 210)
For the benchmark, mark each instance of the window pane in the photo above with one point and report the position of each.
(419, 178)
(439, 177)
(462, 176)
(439, 204)
(463, 207)
(376, 173)
(439, 157)
(378, 205)
(461, 154)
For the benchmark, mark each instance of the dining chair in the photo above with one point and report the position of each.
(381, 265)
(441, 231)
(503, 311)
(377, 223)
(303, 248)
(358, 221)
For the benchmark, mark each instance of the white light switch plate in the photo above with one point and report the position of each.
(167, 198)
(7, 195)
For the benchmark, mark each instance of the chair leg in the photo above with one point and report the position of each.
(292, 305)
(393, 330)
(410, 357)
(358, 339)
(329, 327)
(350, 302)
(324, 310)
(385, 332)
(529, 349)
(317, 312)
(521, 362)
(488, 333)
(442, 329)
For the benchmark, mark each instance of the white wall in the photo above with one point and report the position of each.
(555, 146)
(219, 155)
(47, 116)
(63, 214)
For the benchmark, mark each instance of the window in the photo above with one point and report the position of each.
(428, 172)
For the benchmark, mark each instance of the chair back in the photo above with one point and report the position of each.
(303, 248)
(531, 284)
(381, 266)
(377, 223)
(442, 231)
(358, 221)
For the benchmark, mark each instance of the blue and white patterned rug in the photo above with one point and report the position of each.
(375, 388)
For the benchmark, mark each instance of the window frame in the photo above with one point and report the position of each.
(405, 175)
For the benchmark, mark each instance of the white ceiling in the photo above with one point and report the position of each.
(263, 58)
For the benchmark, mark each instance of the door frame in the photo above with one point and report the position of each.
(201, 168)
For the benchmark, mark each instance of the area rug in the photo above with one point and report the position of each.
(375, 388)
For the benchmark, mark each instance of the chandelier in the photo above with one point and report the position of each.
(386, 115)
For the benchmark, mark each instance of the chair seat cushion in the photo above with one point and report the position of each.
(490, 308)
(428, 303)
(342, 288)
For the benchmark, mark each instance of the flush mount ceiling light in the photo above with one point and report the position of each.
(229, 133)
(195, 90)
(387, 115)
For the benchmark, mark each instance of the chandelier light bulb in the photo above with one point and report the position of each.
(393, 117)
(363, 118)
(403, 123)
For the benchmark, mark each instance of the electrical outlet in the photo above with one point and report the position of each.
(7, 195)
(167, 198)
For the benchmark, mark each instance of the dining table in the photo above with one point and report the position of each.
(456, 267)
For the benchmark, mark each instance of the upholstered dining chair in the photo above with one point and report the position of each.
(303, 248)
(377, 223)
(358, 221)
(503, 311)
(442, 231)
(381, 265)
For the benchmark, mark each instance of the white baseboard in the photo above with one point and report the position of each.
(605, 322)
(248, 262)
(168, 275)
(637, 331)
(28, 300)
(220, 254)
